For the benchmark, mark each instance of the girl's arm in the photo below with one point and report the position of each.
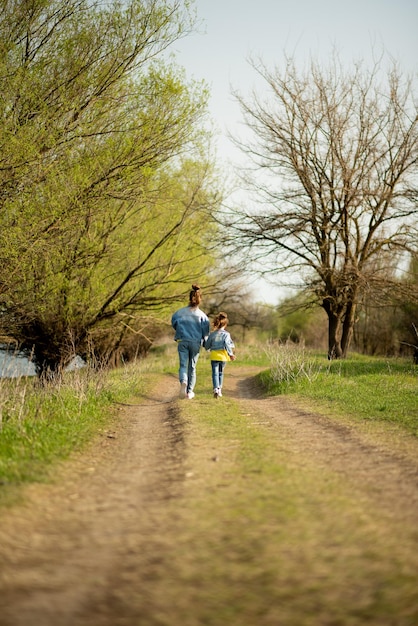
(229, 345)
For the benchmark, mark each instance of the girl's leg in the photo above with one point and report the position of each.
(221, 373)
(183, 359)
(194, 351)
(215, 374)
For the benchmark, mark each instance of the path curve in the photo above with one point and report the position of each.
(102, 524)
(381, 467)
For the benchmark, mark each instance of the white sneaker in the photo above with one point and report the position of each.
(219, 392)
(183, 387)
(190, 395)
(216, 393)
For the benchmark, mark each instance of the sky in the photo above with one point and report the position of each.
(233, 31)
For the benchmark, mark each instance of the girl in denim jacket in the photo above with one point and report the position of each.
(192, 328)
(221, 347)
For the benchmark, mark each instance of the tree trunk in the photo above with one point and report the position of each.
(348, 327)
(334, 326)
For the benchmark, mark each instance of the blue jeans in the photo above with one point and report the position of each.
(217, 373)
(188, 357)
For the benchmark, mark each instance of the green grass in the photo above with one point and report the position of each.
(361, 387)
(40, 426)
(253, 354)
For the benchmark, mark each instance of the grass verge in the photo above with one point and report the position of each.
(42, 425)
(360, 387)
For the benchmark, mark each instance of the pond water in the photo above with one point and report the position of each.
(14, 364)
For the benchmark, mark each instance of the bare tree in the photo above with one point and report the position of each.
(335, 153)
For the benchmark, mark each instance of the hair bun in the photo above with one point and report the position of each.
(195, 287)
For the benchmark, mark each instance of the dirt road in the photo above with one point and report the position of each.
(106, 543)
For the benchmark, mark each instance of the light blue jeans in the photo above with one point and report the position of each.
(218, 373)
(188, 357)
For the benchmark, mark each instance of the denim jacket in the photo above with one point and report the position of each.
(220, 340)
(190, 324)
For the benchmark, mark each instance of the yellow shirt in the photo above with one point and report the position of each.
(219, 355)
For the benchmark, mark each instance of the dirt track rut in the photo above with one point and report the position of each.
(59, 550)
(72, 554)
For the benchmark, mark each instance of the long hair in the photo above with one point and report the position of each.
(220, 321)
(195, 296)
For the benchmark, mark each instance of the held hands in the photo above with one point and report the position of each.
(232, 357)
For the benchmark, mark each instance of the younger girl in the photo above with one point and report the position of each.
(221, 346)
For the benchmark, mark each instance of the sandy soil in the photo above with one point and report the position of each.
(104, 525)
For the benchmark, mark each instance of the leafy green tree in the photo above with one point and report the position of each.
(335, 155)
(102, 174)
(81, 284)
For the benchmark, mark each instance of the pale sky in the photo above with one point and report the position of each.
(234, 30)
